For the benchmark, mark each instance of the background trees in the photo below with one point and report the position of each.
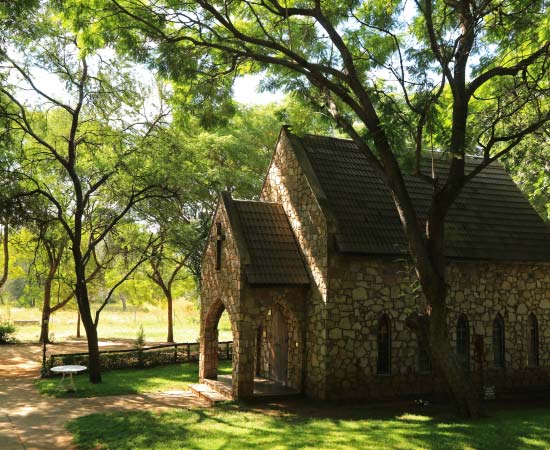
(83, 149)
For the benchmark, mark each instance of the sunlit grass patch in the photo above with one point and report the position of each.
(359, 427)
(131, 381)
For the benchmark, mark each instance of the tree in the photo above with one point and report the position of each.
(530, 168)
(83, 150)
(467, 76)
(5, 252)
(166, 267)
(54, 246)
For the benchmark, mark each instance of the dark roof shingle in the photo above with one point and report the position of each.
(274, 254)
(491, 219)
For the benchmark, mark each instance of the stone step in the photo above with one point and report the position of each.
(220, 387)
(207, 393)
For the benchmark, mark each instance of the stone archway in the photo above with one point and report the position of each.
(208, 364)
(280, 353)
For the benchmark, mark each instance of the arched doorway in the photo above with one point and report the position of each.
(278, 351)
(208, 367)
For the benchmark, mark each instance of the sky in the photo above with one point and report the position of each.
(246, 91)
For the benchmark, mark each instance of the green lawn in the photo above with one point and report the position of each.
(321, 428)
(131, 381)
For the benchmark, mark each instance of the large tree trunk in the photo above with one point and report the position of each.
(94, 367)
(170, 337)
(78, 324)
(464, 393)
(45, 324)
(81, 291)
(46, 309)
(432, 329)
(5, 250)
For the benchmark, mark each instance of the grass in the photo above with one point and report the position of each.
(321, 428)
(130, 381)
(118, 324)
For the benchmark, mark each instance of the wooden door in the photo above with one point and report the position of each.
(279, 348)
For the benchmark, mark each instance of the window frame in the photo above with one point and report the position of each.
(463, 340)
(383, 346)
(499, 342)
(533, 341)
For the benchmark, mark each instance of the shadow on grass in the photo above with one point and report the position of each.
(129, 381)
(362, 427)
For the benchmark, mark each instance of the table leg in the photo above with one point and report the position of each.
(72, 382)
(60, 382)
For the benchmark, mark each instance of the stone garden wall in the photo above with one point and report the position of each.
(361, 290)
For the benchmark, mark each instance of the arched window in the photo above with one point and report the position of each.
(463, 341)
(533, 341)
(498, 341)
(384, 346)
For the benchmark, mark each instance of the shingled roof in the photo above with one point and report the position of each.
(490, 220)
(274, 254)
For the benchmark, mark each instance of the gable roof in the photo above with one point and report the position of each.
(490, 220)
(273, 255)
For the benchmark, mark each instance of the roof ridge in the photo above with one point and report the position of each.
(256, 201)
(350, 141)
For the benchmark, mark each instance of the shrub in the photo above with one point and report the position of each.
(6, 332)
(140, 344)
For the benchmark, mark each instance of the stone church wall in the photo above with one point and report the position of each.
(287, 184)
(220, 285)
(362, 289)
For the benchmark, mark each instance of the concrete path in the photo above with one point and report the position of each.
(30, 421)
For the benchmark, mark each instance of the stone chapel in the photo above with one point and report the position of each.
(316, 281)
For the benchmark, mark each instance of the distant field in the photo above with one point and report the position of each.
(117, 324)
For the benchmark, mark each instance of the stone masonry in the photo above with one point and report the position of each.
(286, 183)
(362, 290)
(333, 322)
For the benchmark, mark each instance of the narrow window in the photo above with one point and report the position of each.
(498, 341)
(424, 361)
(463, 341)
(533, 360)
(384, 346)
(219, 241)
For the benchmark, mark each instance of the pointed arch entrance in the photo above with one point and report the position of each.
(209, 349)
(279, 355)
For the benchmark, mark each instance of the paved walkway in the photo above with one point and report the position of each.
(30, 421)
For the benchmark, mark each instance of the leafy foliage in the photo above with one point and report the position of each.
(6, 333)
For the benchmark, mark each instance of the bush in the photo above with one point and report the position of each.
(140, 344)
(6, 332)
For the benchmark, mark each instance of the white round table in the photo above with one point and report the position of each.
(67, 372)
